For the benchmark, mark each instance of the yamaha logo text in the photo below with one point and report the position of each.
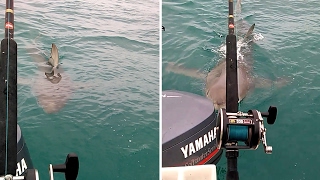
(199, 143)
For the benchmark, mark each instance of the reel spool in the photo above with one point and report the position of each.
(243, 127)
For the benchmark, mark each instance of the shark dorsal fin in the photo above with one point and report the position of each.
(249, 31)
(238, 7)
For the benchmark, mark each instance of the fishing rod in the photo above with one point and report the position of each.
(237, 130)
(231, 64)
(8, 96)
(15, 163)
(231, 89)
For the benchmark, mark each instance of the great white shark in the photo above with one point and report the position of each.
(54, 76)
(52, 86)
(215, 80)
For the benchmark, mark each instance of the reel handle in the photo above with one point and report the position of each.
(271, 115)
(70, 168)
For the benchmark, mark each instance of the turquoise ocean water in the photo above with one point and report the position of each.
(111, 50)
(288, 47)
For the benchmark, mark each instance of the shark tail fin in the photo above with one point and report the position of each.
(249, 31)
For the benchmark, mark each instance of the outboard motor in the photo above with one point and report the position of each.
(23, 157)
(188, 130)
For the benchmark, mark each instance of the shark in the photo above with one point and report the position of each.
(215, 80)
(51, 86)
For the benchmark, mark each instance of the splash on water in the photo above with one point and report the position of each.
(240, 45)
(257, 37)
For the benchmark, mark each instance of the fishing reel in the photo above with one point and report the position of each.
(70, 168)
(248, 128)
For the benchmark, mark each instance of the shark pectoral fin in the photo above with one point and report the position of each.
(266, 83)
(37, 58)
(263, 83)
(282, 81)
(36, 55)
(179, 69)
(45, 68)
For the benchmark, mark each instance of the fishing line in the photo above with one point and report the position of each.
(7, 81)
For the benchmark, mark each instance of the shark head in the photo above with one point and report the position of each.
(52, 78)
(217, 94)
(218, 105)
